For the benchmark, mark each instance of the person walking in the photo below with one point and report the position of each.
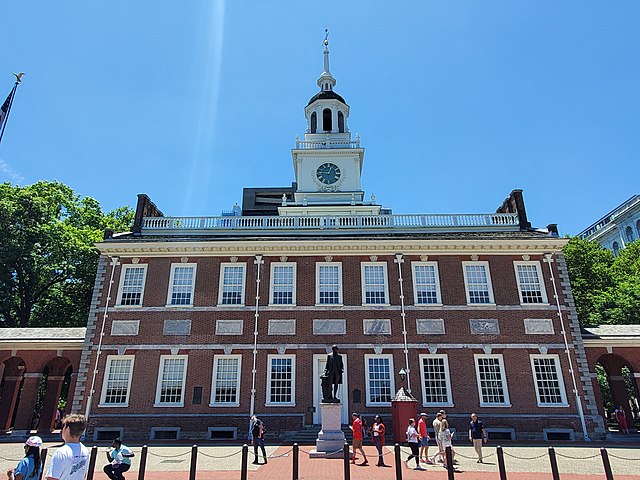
(446, 438)
(257, 437)
(30, 467)
(621, 418)
(413, 438)
(356, 427)
(377, 432)
(424, 438)
(477, 435)
(70, 461)
(437, 428)
(119, 458)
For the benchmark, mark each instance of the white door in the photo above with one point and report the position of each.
(319, 363)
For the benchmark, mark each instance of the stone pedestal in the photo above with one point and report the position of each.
(330, 442)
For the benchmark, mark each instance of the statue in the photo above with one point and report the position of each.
(332, 376)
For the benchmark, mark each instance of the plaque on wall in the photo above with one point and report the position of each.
(282, 327)
(177, 327)
(430, 326)
(538, 326)
(376, 326)
(125, 327)
(228, 327)
(329, 327)
(485, 326)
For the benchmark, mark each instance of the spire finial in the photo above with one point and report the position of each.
(326, 80)
(326, 37)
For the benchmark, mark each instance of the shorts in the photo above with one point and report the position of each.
(357, 443)
(424, 442)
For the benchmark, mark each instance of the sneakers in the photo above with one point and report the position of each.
(418, 468)
(365, 463)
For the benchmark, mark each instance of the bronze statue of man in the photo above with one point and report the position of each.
(333, 372)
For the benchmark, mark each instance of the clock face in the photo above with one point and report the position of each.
(328, 173)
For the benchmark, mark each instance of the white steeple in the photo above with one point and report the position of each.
(326, 81)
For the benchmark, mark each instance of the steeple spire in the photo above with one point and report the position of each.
(326, 82)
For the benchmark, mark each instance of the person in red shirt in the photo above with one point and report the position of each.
(424, 438)
(357, 438)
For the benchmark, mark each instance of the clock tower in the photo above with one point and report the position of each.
(328, 163)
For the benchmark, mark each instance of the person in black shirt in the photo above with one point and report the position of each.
(257, 435)
(477, 435)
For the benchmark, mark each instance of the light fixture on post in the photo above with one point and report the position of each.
(403, 376)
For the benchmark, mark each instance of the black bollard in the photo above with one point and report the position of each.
(554, 464)
(143, 462)
(43, 459)
(396, 450)
(194, 462)
(449, 455)
(605, 461)
(346, 458)
(296, 451)
(243, 467)
(92, 462)
(501, 469)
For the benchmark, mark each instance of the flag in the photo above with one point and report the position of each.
(4, 110)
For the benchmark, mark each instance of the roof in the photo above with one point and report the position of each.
(611, 331)
(31, 334)
(326, 95)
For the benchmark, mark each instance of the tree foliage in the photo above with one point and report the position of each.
(606, 288)
(47, 256)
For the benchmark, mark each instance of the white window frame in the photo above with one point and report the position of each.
(505, 389)
(543, 288)
(268, 402)
(174, 266)
(363, 266)
(369, 402)
(447, 373)
(163, 359)
(130, 266)
(563, 393)
(216, 361)
(105, 380)
(414, 266)
(489, 283)
(293, 286)
(329, 264)
(221, 284)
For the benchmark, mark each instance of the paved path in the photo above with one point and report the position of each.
(223, 462)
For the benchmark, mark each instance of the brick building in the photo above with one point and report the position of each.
(197, 322)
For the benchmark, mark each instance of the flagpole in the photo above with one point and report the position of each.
(11, 97)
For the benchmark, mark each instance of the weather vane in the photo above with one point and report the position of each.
(326, 37)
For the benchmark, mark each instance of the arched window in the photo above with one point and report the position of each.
(340, 122)
(629, 234)
(327, 124)
(638, 228)
(616, 248)
(314, 122)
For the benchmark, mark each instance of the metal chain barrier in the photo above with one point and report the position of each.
(188, 452)
(201, 452)
(571, 457)
(623, 458)
(280, 455)
(526, 458)
(10, 459)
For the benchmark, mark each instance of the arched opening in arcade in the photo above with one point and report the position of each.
(619, 392)
(12, 375)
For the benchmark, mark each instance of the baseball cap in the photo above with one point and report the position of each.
(423, 414)
(34, 441)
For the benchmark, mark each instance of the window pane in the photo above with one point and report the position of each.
(226, 381)
(547, 381)
(530, 287)
(171, 383)
(379, 380)
(182, 286)
(283, 284)
(132, 285)
(281, 385)
(232, 282)
(434, 375)
(374, 284)
(118, 381)
(426, 288)
(329, 284)
(478, 284)
(491, 380)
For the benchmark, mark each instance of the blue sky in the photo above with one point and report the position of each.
(456, 102)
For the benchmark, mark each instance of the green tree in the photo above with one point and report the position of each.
(47, 255)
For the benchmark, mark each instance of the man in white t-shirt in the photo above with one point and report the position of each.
(70, 461)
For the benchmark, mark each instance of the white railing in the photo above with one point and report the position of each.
(300, 145)
(490, 221)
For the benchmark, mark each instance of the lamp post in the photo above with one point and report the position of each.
(403, 377)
